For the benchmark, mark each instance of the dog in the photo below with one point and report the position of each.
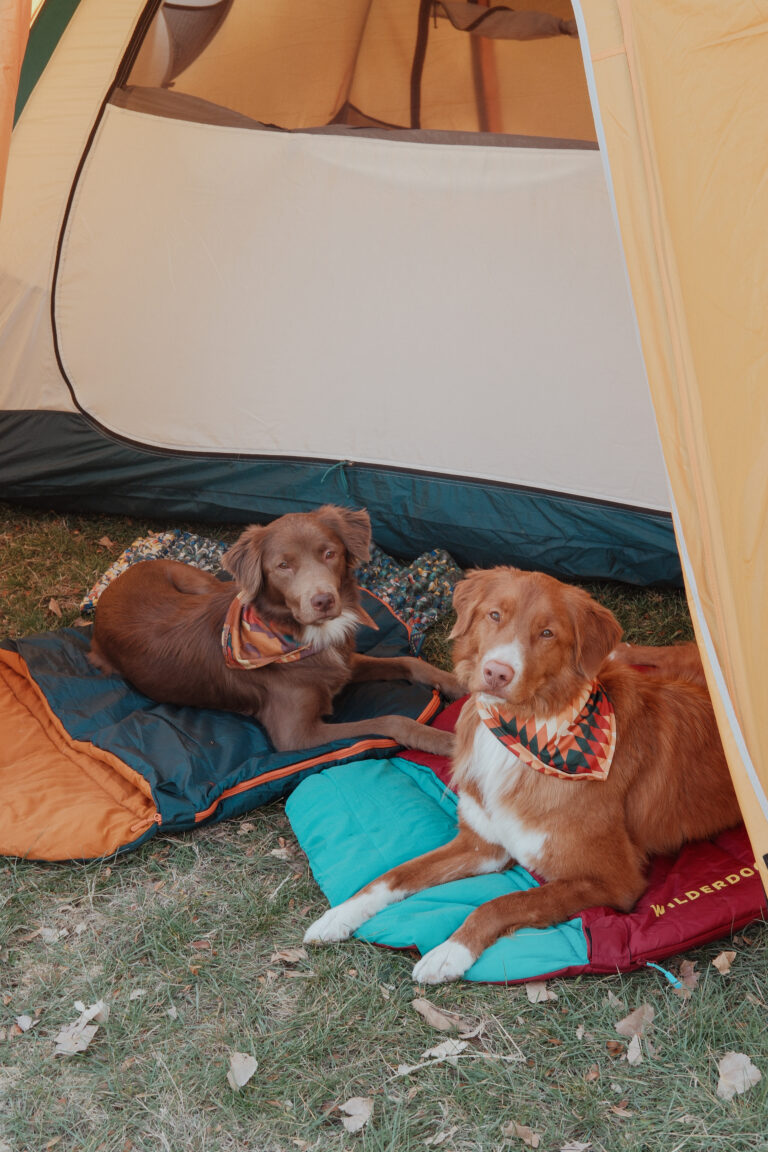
(629, 765)
(278, 645)
(677, 661)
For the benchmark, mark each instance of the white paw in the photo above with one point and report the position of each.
(446, 962)
(335, 924)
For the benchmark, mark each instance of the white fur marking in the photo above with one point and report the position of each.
(446, 962)
(510, 654)
(340, 922)
(496, 770)
(330, 633)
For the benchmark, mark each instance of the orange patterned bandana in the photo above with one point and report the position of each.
(576, 745)
(249, 642)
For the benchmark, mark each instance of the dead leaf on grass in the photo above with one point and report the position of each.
(288, 956)
(245, 828)
(576, 1146)
(24, 1023)
(52, 935)
(636, 1022)
(523, 1132)
(592, 1073)
(634, 1051)
(448, 1050)
(359, 1110)
(737, 1074)
(538, 992)
(441, 1137)
(75, 1038)
(621, 1110)
(442, 1019)
(614, 1048)
(688, 973)
(54, 607)
(105, 542)
(241, 1067)
(723, 962)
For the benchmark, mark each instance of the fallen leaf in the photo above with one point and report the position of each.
(288, 956)
(245, 828)
(636, 1022)
(52, 935)
(282, 853)
(241, 1067)
(737, 1074)
(105, 542)
(538, 992)
(53, 606)
(576, 1146)
(593, 1073)
(723, 962)
(74, 1038)
(523, 1132)
(613, 1001)
(441, 1137)
(137, 994)
(448, 1050)
(634, 1051)
(623, 1113)
(24, 1023)
(441, 1018)
(359, 1110)
(615, 1048)
(688, 973)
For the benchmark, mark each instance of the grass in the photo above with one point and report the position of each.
(181, 939)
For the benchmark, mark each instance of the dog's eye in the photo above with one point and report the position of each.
(547, 634)
(283, 564)
(330, 554)
(495, 616)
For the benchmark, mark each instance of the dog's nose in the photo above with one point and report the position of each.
(497, 675)
(322, 601)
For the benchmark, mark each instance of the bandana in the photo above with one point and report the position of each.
(576, 745)
(249, 642)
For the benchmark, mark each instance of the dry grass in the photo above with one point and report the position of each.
(179, 937)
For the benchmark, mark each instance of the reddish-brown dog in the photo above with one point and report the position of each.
(528, 646)
(160, 624)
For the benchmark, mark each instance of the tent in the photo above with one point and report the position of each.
(257, 256)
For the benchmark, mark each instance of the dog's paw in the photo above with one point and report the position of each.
(333, 925)
(444, 963)
(448, 686)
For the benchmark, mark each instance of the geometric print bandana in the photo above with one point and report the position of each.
(248, 642)
(576, 745)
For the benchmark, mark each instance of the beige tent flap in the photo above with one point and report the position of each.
(683, 93)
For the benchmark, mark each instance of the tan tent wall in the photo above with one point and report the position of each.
(14, 27)
(682, 88)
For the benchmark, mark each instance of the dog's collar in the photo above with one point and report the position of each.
(250, 642)
(576, 745)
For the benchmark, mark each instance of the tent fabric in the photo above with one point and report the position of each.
(355, 822)
(14, 28)
(682, 89)
(89, 766)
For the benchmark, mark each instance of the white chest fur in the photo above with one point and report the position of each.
(495, 772)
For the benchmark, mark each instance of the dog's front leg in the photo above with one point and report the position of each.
(405, 668)
(541, 907)
(466, 855)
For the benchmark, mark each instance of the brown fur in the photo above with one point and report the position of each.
(159, 625)
(668, 783)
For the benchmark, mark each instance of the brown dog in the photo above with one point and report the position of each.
(289, 640)
(581, 802)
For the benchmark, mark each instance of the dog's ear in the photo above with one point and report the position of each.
(243, 559)
(467, 595)
(353, 526)
(597, 632)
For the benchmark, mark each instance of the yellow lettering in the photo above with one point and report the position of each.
(658, 909)
(706, 888)
(733, 878)
(694, 895)
(746, 872)
(679, 901)
(718, 884)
